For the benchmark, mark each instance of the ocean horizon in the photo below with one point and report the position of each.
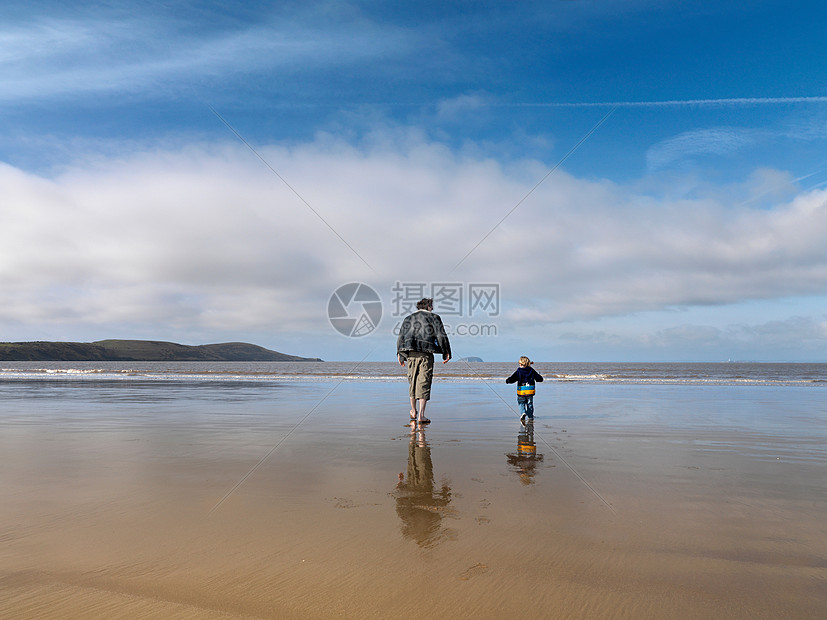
(697, 373)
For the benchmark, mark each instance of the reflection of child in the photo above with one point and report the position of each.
(525, 376)
(526, 458)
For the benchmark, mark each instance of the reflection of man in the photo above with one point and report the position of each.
(525, 459)
(418, 503)
(422, 334)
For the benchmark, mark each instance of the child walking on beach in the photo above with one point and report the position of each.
(525, 376)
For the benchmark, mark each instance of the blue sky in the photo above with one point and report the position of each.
(146, 152)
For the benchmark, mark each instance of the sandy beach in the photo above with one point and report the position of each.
(272, 501)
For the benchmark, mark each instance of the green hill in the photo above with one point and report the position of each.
(141, 351)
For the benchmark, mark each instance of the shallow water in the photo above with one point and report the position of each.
(204, 497)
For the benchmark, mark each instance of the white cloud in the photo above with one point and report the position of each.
(206, 238)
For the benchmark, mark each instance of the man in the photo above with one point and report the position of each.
(422, 334)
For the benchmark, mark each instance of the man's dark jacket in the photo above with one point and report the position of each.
(423, 331)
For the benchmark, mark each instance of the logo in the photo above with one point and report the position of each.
(354, 309)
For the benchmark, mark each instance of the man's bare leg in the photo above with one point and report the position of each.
(413, 408)
(422, 403)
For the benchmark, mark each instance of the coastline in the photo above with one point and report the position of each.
(141, 351)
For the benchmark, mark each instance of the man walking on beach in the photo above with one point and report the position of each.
(422, 334)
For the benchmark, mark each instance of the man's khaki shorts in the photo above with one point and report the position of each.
(420, 374)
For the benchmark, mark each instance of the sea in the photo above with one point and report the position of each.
(807, 375)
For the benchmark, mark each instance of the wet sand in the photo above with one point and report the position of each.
(624, 502)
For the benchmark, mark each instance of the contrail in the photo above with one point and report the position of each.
(671, 102)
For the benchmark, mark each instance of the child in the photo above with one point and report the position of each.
(525, 376)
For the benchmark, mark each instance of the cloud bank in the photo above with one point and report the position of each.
(207, 237)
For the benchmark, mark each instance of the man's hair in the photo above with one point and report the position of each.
(425, 303)
(525, 362)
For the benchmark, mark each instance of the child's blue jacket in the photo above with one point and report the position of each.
(525, 376)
